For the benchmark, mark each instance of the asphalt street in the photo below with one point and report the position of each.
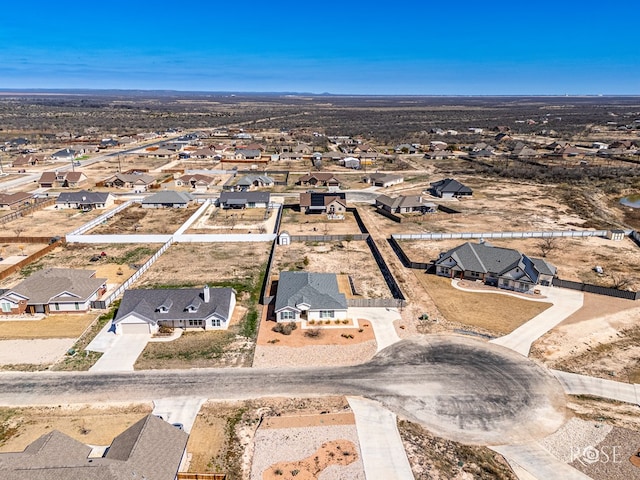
(460, 388)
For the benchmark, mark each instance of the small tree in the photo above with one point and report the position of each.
(18, 231)
(547, 245)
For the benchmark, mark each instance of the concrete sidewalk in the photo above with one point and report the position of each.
(383, 454)
(565, 302)
(575, 384)
(381, 319)
(537, 462)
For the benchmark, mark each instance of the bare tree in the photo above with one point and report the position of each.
(547, 245)
(18, 231)
(620, 282)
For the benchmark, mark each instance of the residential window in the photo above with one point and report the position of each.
(287, 315)
(56, 306)
(6, 307)
(195, 323)
(327, 313)
(216, 322)
(77, 305)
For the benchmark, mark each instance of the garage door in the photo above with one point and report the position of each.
(132, 328)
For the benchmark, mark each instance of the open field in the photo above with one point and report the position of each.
(51, 326)
(297, 223)
(351, 258)
(212, 263)
(117, 258)
(138, 220)
(50, 221)
(574, 257)
(496, 314)
(106, 168)
(87, 424)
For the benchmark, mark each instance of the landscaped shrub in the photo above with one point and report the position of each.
(285, 328)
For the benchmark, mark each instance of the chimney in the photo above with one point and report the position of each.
(205, 294)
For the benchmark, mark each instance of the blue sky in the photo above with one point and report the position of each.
(348, 47)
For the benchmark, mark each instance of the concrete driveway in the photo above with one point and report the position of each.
(381, 319)
(122, 353)
(576, 384)
(565, 302)
(182, 410)
(539, 463)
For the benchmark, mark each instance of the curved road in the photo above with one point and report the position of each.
(460, 388)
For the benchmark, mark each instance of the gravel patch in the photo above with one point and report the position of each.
(316, 355)
(610, 459)
(298, 443)
(35, 352)
(575, 438)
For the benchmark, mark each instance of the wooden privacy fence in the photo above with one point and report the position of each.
(31, 258)
(28, 239)
(201, 476)
(21, 212)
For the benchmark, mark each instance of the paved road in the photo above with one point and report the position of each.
(459, 388)
(565, 302)
(575, 384)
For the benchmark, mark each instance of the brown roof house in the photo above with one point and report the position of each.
(54, 290)
(151, 448)
(383, 179)
(333, 204)
(197, 181)
(62, 179)
(140, 182)
(319, 179)
(13, 201)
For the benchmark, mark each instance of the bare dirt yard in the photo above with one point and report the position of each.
(297, 223)
(92, 425)
(101, 170)
(574, 257)
(136, 219)
(191, 264)
(51, 326)
(50, 222)
(598, 340)
(249, 220)
(351, 258)
(490, 314)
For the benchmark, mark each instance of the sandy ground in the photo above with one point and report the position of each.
(34, 351)
(297, 223)
(218, 221)
(138, 220)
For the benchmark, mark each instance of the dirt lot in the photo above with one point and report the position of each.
(106, 168)
(118, 257)
(212, 263)
(297, 223)
(250, 220)
(599, 340)
(352, 258)
(575, 258)
(50, 221)
(87, 424)
(495, 315)
(136, 219)
(51, 326)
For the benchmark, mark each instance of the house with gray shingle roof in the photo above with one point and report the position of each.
(167, 199)
(151, 448)
(405, 204)
(309, 296)
(249, 182)
(84, 200)
(502, 267)
(54, 290)
(144, 311)
(450, 188)
(244, 200)
(380, 179)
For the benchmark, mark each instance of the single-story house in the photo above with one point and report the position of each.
(84, 200)
(140, 182)
(167, 199)
(247, 154)
(405, 204)
(66, 154)
(383, 179)
(501, 267)
(438, 155)
(320, 178)
(351, 162)
(450, 188)
(144, 311)
(244, 200)
(248, 182)
(329, 203)
(62, 179)
(13, 201)
(150, 448)
(27, 160)
(309, 296)
(54, 290)
(197, 181)
(203, 153)
(405, 148)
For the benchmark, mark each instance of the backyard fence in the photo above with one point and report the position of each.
(406, 261)
(116, 293)
(635, 236)
(201, 476)
(31, 258)
(27, 209)
(118, 238)
(191, 220)
(28, 239)
(466, 235)
(375, 302)
(597, 289)
(98, 220)
(328, 238)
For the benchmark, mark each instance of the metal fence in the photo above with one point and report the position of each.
(404, 258)
(328, 238)
(118, 238)
(597, 289)
(375, 302)
(98, 220)
(466, 235)
(635, 236)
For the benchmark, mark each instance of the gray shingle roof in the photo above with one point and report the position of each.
(168, 197)
(83, 197)
(404, 201)
(41, 287)
(248, 180)
(151, 448)
(449, 185)
(244, 197)
(319, 290)
(146, 303)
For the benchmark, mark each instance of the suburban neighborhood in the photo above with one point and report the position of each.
(252, 296)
